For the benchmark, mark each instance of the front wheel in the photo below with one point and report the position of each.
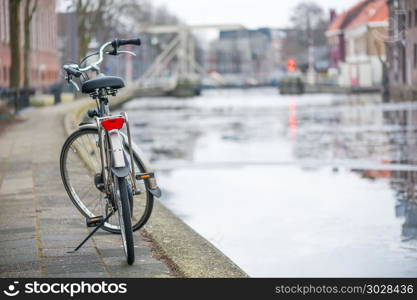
(125, 222)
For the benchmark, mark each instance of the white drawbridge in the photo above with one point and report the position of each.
(181, 49)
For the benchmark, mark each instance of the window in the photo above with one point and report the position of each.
(401, 22)
(415, 55)
(415, 18)
(410, 19)
(2, 20)
(6, 10)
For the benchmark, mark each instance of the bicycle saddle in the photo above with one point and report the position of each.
(91, 85)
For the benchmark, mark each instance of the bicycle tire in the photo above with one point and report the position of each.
(75, 199)
(123, 210)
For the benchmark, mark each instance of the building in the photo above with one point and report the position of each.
(336, 33)
(67, 37)
(402, 49)
(357, 44)
(247, 56)
(365, 46)
(44, 68)
(402, 59)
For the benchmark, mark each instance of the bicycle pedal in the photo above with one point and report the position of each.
(94, 221)
(142, 176)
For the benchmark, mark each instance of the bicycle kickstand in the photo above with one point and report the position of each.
(92, 233)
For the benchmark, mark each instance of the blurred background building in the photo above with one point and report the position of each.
(67, 37)
(372, 44)
(357, 43)
(402, 50)
(44, 56)
(247, 57)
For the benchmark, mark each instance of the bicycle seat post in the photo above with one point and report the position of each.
(103, 102)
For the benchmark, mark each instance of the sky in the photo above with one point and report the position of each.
(249, 13)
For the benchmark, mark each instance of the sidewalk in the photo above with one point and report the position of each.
(39, 224)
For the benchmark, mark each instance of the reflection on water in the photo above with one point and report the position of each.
(363, 128)
(334, 190)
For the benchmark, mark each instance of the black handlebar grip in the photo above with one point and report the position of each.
(120, 42)
(72, 71)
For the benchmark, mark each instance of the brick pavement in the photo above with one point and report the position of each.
(39, 224)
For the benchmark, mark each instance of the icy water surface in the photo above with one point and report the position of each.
(290, 186)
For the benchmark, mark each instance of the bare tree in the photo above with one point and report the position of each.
(14, 26)
(162, 16)
(88, 13)
(308, 28)
(99, 19)
(102, 20)
(385, 72)
(307, 16)
(30, 8)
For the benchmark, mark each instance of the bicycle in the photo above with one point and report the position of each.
(102, 170)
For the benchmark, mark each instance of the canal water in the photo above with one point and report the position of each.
(290, 186)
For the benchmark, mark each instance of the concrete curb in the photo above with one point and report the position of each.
(191, 255)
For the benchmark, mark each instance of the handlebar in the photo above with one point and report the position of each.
(76, 71)
(119, 42)
(72, 71)
(95, 64)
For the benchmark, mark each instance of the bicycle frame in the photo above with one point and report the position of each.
(113, 161)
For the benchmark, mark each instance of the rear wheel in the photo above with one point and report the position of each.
(80, 166)
(125, 222)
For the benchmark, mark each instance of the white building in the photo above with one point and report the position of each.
(364, 35)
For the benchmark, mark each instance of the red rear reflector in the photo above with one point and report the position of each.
(115, 123)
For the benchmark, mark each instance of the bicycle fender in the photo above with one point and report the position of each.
(116, 144)
(155, 191)
(152, 187)
(122, 171)
(88, 125)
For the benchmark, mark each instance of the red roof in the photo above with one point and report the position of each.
(375, 11)
(337, 23)
(363, 12)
